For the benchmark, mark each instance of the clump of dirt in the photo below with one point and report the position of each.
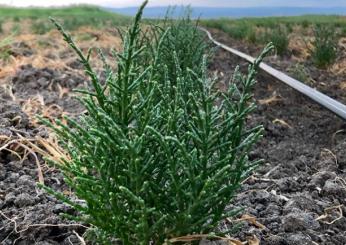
(53, 86)
(299, 194)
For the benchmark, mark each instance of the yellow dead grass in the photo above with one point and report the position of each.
(343, 85)
(48, 48)
(22, 147)
(272, 99)
(339, 68)
(300, 47)
(253, 240)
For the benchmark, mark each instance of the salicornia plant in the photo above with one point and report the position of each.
(324, 46)
(280, 39)
(158, 154)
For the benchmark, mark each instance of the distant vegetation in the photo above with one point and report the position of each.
(324, 50)
(246, 28)
(234, 12)
(269, 22)
(72, 17)
(324, 30)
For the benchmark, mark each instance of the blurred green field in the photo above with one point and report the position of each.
(273, 21)
(279, 29)
(244, 28)
(72, 17)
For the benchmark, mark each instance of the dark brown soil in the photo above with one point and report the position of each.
(298, 194)
(29, 215)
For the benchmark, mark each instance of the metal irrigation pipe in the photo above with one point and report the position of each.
(322, 99)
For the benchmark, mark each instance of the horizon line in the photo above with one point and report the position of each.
(165, 6)
(228, 7)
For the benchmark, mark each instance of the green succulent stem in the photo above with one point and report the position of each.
(161, 151)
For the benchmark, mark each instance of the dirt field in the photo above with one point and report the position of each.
(297, 196)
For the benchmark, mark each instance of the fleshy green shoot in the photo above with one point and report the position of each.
(161, 151)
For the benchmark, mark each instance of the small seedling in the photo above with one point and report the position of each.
(16, 29)
(5, 49)
(305, 24)
(300, 73)
(279, 37)
(40, 27)
(324, 46)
